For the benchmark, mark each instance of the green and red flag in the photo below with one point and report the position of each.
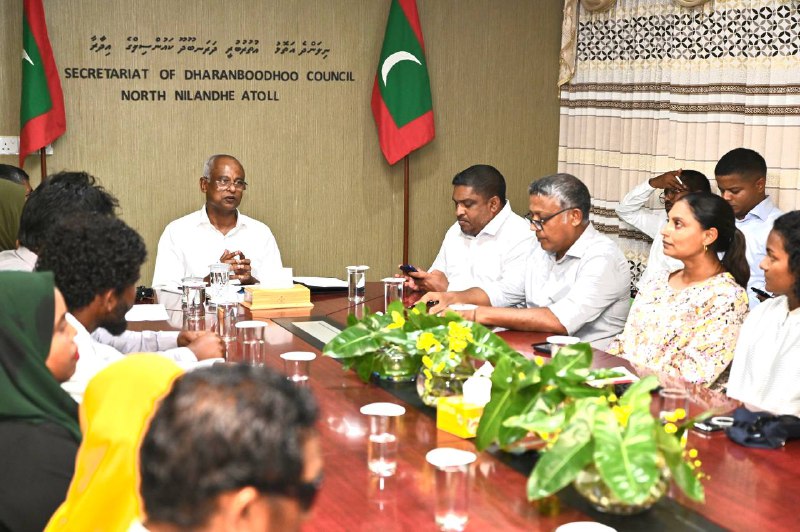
(42, 117)
(401, 95)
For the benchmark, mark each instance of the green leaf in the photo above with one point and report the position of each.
(560, 465)
(639, 392)
(538, 420)
(493, 415)
(572, 357)
(626, 458)
(670, 448)
(488, 346)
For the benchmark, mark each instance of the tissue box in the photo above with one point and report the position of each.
(455, 416)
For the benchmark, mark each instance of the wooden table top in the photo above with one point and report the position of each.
(746, 489)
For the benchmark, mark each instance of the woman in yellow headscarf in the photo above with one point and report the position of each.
(114, 415)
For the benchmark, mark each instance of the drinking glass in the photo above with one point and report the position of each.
(382, 442)
(357, 283)
(227, 314)
(297, 366)
(220, 276)
(251, 342)
(674, 404)
(193, 298)
(392, 290)
(452, 486)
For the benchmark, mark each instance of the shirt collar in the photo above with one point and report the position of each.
(762, 210)
(80, 330)
(579, 247)
(27, 256)
(497, 222)
(204, 219)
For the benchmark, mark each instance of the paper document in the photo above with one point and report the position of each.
(321, 330)
(321, 282)
(147, 313)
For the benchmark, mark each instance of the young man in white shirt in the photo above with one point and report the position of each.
(631, 210)
(95, 260)
(742, 178)
(575, 282)
(218, 232)
(487, 239)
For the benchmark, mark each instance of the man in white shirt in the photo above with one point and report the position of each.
(576, 282)
(218, 232)
(486, 240)
(95, 261)
(63, 194)
(631, 210)
(742, 177)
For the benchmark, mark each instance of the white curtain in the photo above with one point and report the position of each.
(657, 87)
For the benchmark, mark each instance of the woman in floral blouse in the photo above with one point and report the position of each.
(686, 323)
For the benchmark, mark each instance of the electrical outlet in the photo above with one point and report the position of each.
(10, 146)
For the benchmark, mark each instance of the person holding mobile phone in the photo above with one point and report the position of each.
(487, 240)
(766, 365)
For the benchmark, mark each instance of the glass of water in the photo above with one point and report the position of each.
(382, 443)
(392, 290)
(219, 276)
(297, 366)
(357, 283)
(251, 342)
(452, 486)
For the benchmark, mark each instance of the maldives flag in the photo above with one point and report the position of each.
(401, 95)
(42, 117)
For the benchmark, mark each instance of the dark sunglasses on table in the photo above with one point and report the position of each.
(226, 183)
(539, 223)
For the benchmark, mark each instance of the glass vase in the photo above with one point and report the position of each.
(397, 366)
(590, 485)
(442, 384)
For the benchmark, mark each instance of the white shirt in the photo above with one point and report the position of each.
(92, 358)
(189, 245)
(21, 259)
(481, 260)
(588, 290)
(766, 365)
(756, 226)
(632, 210)
(161, 342)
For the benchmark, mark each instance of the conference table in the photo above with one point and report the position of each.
(746, 489)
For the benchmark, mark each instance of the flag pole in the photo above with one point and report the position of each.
(405, 210)
(43, 162)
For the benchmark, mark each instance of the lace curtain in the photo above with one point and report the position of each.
(656, 86)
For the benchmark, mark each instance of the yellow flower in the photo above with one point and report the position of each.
(438, 367)
(456, 330)
(680, 413)
(397, 321)
(612, 398)
(427, 373)
(670, 428)
(692, 453)
(698, 463)
(521, 375)
(457, 345)
(671, 417)
(539, 361)
(415, 311)
(427, 342)
(426, 361)
(622, 414)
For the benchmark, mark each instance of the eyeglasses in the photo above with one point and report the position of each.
(539, 224)
(226, 183)
(668, 194)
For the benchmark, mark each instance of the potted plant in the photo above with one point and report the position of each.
(612, 448)
(435, 347)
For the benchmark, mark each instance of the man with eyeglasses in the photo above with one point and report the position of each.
(632, 210)
(576, 282)
(231, 447)
(218, 232)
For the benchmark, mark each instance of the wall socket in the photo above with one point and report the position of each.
(10, 146)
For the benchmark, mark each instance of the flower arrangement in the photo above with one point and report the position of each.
(587, 427)
(437, 343)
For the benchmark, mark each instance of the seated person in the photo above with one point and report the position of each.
(632, 210)
(96, 261)
(766, 367)
(16, 175)
(231, 447)
(487, 238)
(12, 200)
(119, 402)
(63, 194)
(742, 179)
(685, 323)
(576, 281)
(218, 232)
(38, 420)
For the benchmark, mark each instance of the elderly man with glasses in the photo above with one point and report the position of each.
(575, 282)
(631, 210)
(218, 232)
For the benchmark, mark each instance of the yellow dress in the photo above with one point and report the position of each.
(114, 415)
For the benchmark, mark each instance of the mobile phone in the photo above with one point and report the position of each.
(543, 347)
(760, 292)
(407, 268)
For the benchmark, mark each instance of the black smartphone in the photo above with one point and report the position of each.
(760, 292)
(407, 268)
(543, 347)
